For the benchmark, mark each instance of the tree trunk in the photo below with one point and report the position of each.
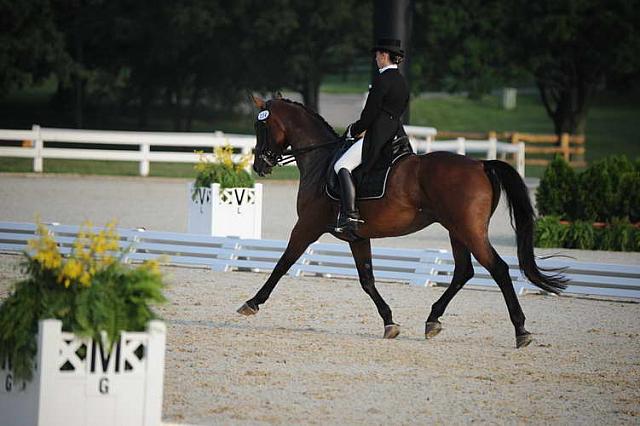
(193, 103)
(173, 100)
(311, 92)
(145, 100)
(177, 112)
(78, 80)
(79, 101)
(567, 105)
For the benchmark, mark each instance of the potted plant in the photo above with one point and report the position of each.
(73, 346)
(224, 199)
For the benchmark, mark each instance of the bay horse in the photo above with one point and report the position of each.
(458, 192)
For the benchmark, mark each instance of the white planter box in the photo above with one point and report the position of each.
(116, 389)
(232, 212)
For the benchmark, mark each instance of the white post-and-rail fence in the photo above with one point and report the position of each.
(422, 267)
(144, 140)
(422, 139)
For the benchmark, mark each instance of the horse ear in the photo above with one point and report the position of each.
(258, 101)
(278, 95)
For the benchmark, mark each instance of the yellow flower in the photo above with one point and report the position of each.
(243, 163)
(72, 269)
(49, 259)
(85, 279)
(46, 249)
(152, 265)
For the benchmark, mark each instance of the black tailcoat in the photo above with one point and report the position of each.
(387, 101)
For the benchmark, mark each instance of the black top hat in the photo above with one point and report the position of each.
(390, 45)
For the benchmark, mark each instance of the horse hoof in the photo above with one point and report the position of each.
(432, 329)
(523, 340)
(391, 331)
(247, 310)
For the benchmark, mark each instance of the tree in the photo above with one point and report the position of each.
(31, 47)
(179, 54)
(459, 46)
(297, 42)
(573, 48)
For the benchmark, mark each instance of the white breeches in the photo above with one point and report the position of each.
(351, 159)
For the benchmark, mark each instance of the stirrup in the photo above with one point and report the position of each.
(346, 223)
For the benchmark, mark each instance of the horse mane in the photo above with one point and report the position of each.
(311, 112)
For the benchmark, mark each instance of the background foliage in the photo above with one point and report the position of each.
(192, 57)
(608, 191)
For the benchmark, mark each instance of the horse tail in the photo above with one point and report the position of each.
(521, 210)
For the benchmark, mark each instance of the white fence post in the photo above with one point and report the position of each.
(492, 152)
(246, 151)
(520, 159)
(144, 161)
(461, 148)
(38, 146)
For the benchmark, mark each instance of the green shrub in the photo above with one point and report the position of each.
(599, 196)
(549, 232)
(580, 235)
(555, 195)
(629, 198)
(620, 235)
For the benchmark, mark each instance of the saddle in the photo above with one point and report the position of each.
(372, 185)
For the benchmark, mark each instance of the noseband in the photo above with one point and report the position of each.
(286, 156)
(265, 153)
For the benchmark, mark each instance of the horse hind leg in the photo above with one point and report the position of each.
(462, 273)
(499, 270)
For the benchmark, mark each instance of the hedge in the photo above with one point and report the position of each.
(620, 235)
(608, 191)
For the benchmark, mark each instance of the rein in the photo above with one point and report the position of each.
(288, 155)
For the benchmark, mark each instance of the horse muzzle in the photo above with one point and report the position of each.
(262, 168)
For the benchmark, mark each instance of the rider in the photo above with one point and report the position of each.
(380, 118)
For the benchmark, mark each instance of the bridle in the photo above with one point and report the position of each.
(286, 156)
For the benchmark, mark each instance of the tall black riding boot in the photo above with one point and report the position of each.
(349, 217)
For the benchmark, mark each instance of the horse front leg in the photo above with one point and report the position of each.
(361, 250)
(302, 236)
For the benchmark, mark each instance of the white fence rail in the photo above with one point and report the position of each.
(422, 139)
(418, 267)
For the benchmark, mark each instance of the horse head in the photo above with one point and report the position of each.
(271, 137)
(282, 124)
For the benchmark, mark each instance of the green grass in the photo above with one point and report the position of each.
(124, 168)
(457, 113)
(613, 123)
(350, 84)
